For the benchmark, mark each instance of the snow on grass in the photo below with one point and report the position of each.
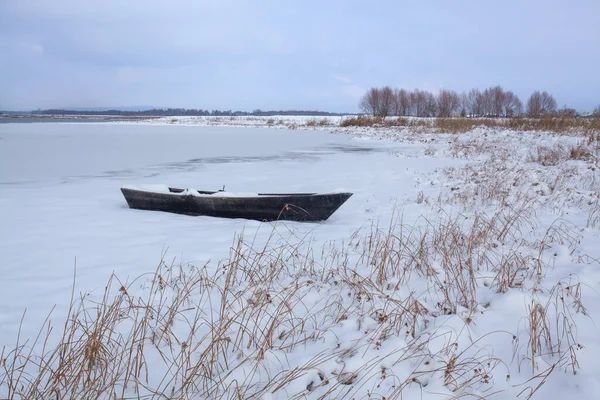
(465, 265)
(276, 121)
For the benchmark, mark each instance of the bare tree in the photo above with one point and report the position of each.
(369, 102)
(387, 103)
(378, 102)
(493, 100)
(512, 106)
(487, 102)
(466, 107)
(534, 104)
(447, 102)
(477, 102)
(431, 105)
(540, 104)
(419, 103)
(548, 103)
(402, 102)
(497, 100)
(397, 111)
(423, 103)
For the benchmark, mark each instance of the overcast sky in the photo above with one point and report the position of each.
(306, 54)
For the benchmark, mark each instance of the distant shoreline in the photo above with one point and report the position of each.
(25, 118)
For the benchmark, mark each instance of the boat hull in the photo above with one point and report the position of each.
(263, 207)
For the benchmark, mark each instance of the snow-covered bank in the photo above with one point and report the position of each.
(276, 121)
(464, 265)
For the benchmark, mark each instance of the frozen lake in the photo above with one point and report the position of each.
(60, 199)
(45, 153)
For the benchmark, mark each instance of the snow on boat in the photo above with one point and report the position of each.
(255, 206)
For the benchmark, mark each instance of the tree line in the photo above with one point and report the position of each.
(172, 112)
(492, 102)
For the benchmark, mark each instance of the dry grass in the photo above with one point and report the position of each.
(318, 122)
(581, 152)
(361, 121)
(461, 125)
(586, 126)
(548, 156)
(504, 175)
(554, 155)
(552, 334)
(594, 212)
(230, 332)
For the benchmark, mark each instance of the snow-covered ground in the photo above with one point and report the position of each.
(461, 266)
(275, 121)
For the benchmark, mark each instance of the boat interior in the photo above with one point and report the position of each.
(178, 190)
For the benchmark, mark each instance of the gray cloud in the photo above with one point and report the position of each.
(293, 54)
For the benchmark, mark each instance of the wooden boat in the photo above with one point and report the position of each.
(261, 207)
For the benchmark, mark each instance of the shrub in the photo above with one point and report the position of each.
(317, 122)
(361, 120)
(580, 152)
(548, 156)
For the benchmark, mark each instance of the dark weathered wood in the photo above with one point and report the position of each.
(263, 207)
